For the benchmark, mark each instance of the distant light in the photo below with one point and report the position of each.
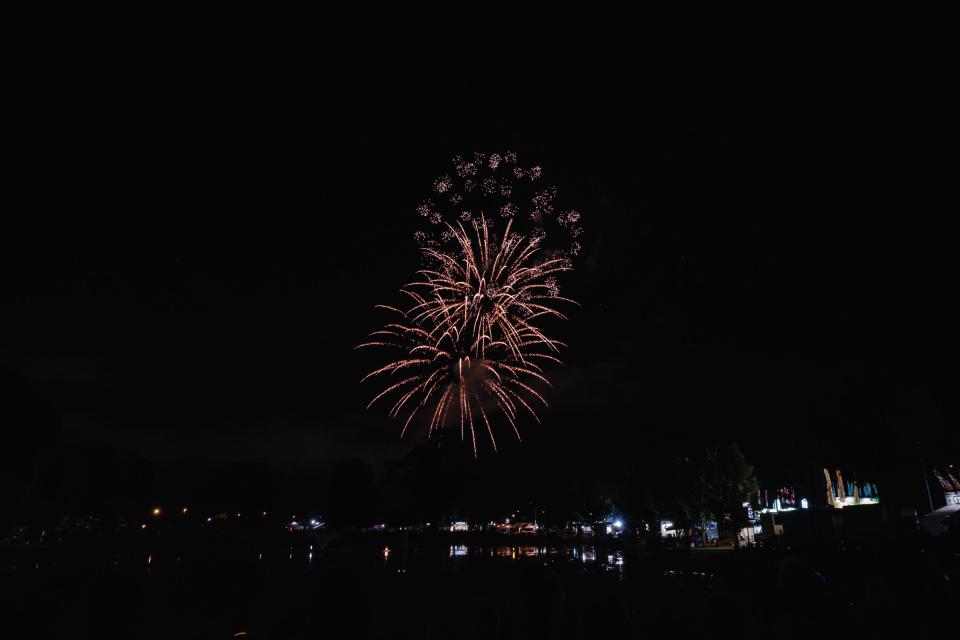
(209, 519)
(184, 509)
(618, 523)
(156, 511)
(238, 515)
(264, 513)
(143, 526)
(804, 504)
(386, 552)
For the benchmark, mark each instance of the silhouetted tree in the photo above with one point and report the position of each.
(729, 481)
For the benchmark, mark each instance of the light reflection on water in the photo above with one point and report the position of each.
(615, 559)
(394, 560)
(612, 561)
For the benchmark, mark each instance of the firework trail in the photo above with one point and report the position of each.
(469, 341)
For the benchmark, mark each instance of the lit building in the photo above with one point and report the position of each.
(846, 493)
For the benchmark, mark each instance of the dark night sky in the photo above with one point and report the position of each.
(195, 249)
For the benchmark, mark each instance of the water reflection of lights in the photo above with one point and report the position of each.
(680, 574)
(612, 560)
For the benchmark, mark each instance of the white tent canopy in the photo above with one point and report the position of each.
(938, 522)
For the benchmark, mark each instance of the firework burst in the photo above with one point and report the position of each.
(469, 343)
(494, 290)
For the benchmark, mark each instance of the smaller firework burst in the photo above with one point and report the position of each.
(499, 185)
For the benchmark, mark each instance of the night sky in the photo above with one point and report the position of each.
(191, 258)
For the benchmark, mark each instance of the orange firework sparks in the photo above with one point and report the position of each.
(438, 374)
(470, 342)
(496, 293)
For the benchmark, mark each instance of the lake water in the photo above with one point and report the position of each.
(386, 587)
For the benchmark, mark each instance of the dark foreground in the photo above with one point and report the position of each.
(381, 586)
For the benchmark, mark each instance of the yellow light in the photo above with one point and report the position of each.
(156, 511)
